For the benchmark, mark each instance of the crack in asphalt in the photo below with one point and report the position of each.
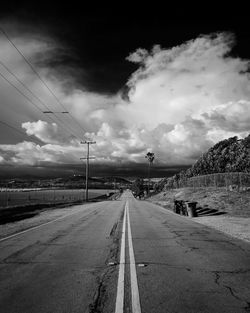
(232, 292)
(20, 252)
(239, 271)
(100, 296)
(235, 245)
(191, 249)
(217, 277)
(38, 247)
(203, 236)
(24, 262)
(113, 229)
(167, 265)
(156, 239)
(247, 308)
(180, 234)
(229, 288)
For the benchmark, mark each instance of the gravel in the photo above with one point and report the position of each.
(237, 227)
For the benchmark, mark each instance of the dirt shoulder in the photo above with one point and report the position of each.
(225, 211)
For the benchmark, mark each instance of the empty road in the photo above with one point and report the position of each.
(123, 256)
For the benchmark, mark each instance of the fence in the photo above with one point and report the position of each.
(9, 197)
(239, 181)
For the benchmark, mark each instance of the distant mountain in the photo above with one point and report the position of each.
(79, 178)
(115, 179)
(109, 179)
(76, 181)
(95, 182)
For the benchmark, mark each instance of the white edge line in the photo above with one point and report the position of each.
(27, 230)
(120, 285)
(136, 307)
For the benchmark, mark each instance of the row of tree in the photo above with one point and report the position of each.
(229, 155)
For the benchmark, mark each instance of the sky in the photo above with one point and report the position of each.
(173, 83)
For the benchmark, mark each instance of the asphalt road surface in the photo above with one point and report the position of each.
(123, 256)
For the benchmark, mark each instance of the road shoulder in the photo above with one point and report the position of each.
(236, 227)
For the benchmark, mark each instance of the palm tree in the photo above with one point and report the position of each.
(150, 156)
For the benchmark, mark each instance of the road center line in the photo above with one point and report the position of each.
(120, 286)
(38, 226)
(136, 307)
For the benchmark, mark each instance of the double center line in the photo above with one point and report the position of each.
(136, 308)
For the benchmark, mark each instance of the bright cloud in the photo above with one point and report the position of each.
(181, 101)
(48, 133)
(172, 84)
(232, 116)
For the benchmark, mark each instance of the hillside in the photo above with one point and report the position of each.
(229, 155)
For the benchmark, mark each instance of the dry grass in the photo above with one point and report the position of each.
(233, 203)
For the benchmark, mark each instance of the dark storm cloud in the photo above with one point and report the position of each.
(101, 39)
(128, 108)
(52, 171)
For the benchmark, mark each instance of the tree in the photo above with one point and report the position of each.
(150, 156)
(138, 187)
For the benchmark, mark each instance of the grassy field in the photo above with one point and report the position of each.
(17, 206)
(18, 198)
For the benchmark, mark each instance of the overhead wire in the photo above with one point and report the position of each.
(27, 98)
(17, 130)
(39, 77)
(38, 99)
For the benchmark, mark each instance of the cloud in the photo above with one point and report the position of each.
(181, 101)
(48, 133)
(232, 116)
(29, 153)
(187, 80)
(26, 153)
(139, 56)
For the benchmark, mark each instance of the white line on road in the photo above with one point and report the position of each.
(136, 307)
(38, 226)
(120, 286)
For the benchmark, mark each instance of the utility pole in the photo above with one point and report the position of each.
(87, 142)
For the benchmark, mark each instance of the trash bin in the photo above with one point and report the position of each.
(177, 206)
(191, 209)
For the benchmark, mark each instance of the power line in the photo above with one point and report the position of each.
(34, 95)
(38, 75)
(18, 90)
(16, 129)
(27, 98)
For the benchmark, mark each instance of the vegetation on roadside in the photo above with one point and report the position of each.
(229, 155)
(138, 187)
